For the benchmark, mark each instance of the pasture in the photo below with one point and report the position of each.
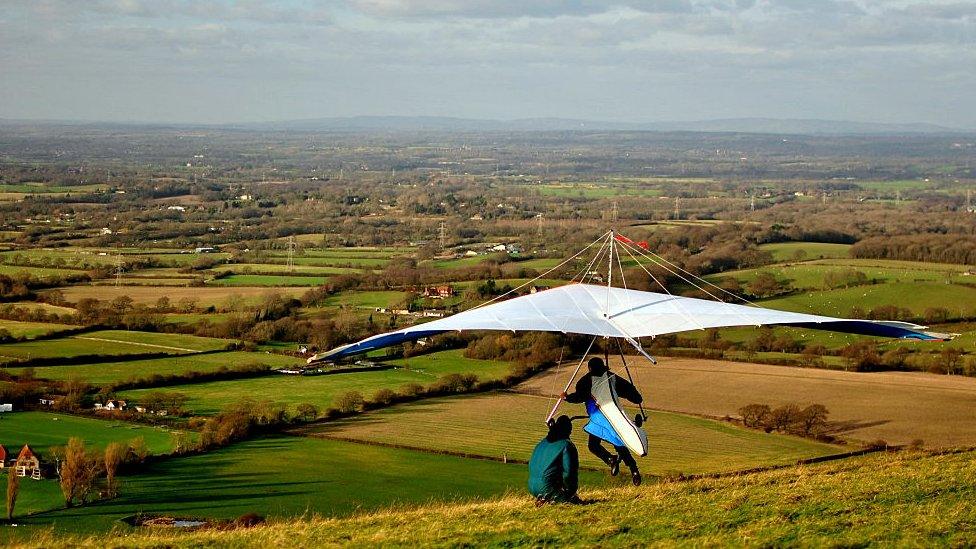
(789, 251)
(109, 342)
(498, 425)
(959, 300)
(812, 274)
(175, 342)
(279, 269)
(287, 476)
(898, 407)
(32, 329)
(122, 370)
(202, 296)
(380, 298)
(88, 258)
(268, 280)
(460, 262)
(43, 273)
(902, 499)
(351, 261)
(42, 430)
(322, 390)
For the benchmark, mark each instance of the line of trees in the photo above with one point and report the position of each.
(810, 421)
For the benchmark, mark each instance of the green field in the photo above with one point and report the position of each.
(268, 280)
(110, 342)
(917, 296)
(16, 271)
(462, 261)
(195, 318)
(811, 274)
(176, 342)
(229, 297)
(787, 251)
(111, 372)
(367, 299)
(42, 430)
(501, 425)
(44, 188)
(279, 269)
(209, 398)
(541, 264)
(899, 500)
(287, 476)
(365, 252)
(339, 261)
(86, 258)
(32, 329)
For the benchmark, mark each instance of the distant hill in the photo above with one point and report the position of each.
(895, 499)
(374, 124)
(734, 125)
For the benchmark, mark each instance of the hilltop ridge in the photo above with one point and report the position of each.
(893, 498)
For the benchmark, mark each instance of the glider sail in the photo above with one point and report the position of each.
(608, 414)
(619, 312)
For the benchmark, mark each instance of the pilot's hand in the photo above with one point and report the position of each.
(563, 395)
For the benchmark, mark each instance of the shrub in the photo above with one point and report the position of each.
(248, 520)
(456, 383)
(384, 397)
(350, 402)
(412, 389)
(307, 411)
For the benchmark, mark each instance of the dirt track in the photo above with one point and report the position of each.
(895, 406)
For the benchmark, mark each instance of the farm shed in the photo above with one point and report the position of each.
(28, 464)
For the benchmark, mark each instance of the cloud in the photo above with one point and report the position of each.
(626, 58)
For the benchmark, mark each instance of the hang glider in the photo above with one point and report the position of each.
(604, 311)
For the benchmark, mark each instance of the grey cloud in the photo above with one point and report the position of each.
(625, 58)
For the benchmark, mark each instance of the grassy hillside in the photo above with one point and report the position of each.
(206, 398)
(506, 424)
(281, 477)
(894, 499)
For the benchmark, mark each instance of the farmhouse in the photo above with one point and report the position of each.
(112, 405)
(28, 464)
(49, 400)
(439, 292)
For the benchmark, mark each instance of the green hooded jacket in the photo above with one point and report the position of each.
(554, 470)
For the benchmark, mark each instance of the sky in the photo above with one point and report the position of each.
(197, 61)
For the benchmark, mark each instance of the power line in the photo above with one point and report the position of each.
(291, 253)
(442, 233)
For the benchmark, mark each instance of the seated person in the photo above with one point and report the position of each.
(554, 465)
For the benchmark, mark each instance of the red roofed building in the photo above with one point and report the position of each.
(28, 464)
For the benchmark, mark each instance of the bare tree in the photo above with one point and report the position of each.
(13, 488)
(79, 469)
(115, 454)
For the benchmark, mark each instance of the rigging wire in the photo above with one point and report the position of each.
(570, 382)
(684, 312)
(713, 296)
(640, 406)
(565, 261)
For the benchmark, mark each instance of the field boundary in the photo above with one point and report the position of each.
(108, 340)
